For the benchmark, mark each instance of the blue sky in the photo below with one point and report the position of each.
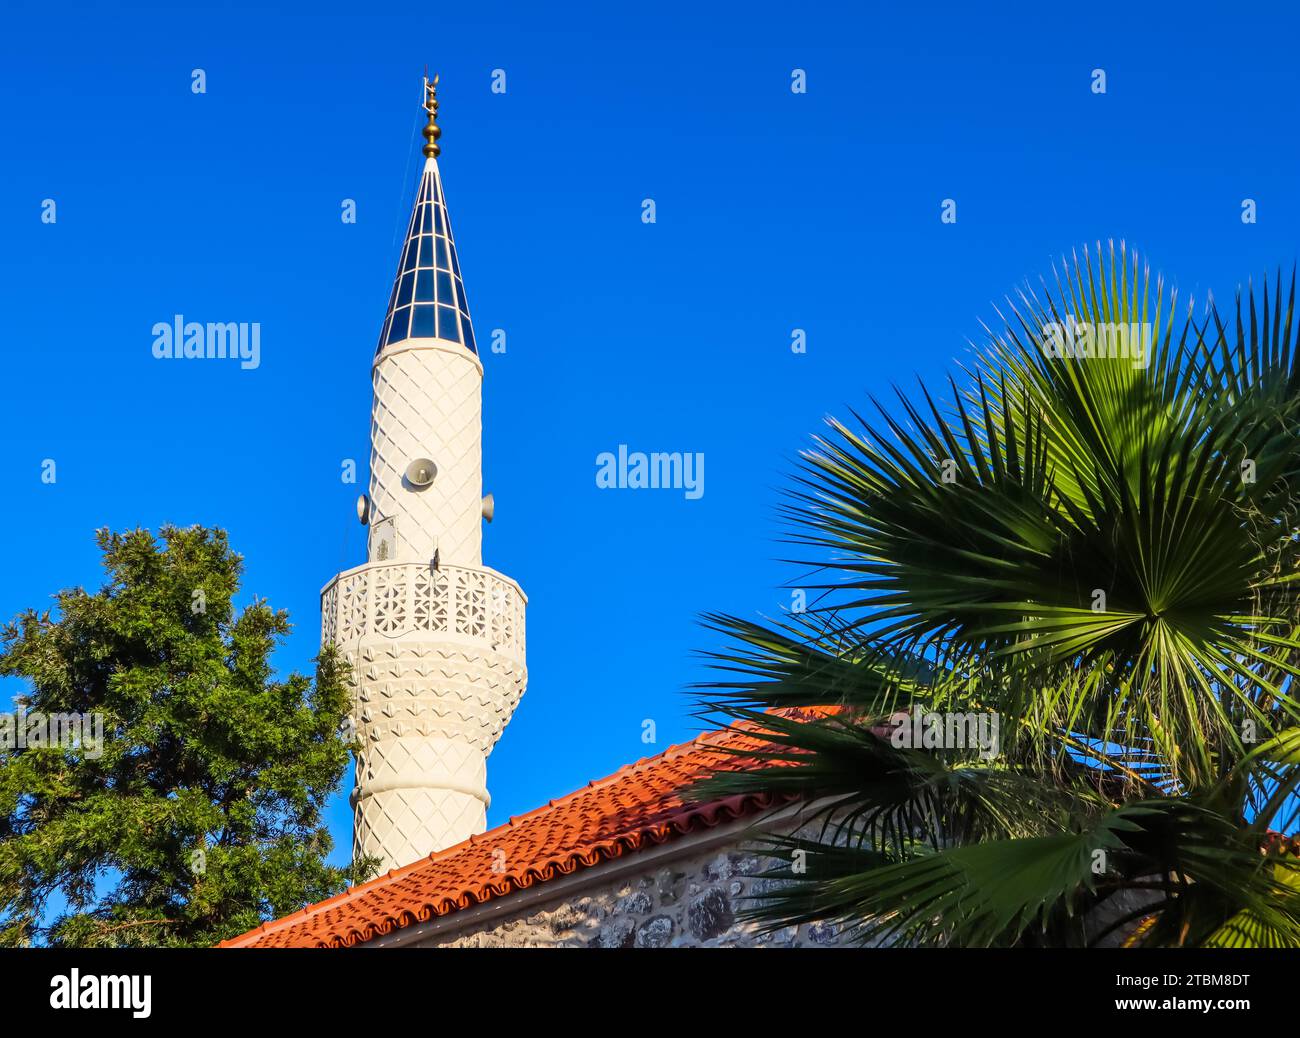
(775, 211)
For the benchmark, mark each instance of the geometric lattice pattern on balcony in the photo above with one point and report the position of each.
(397, 598)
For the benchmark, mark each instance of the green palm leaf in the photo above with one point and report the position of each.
(1101, 551)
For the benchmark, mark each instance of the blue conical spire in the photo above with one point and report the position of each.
(428, 299)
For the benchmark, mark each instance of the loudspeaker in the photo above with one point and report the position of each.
(420, 472)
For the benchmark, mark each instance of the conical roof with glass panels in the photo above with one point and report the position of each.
(428, 299)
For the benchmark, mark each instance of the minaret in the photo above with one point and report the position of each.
(435, 640)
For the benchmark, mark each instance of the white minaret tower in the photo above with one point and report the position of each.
(435, 640)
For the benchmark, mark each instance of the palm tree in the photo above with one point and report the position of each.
(1094, 544)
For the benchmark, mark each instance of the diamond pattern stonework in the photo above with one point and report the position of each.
(435, 640)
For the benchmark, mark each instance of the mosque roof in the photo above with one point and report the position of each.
(640, 806)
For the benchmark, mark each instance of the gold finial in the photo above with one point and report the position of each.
(431, 131)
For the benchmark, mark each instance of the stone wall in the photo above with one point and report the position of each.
(685, 902)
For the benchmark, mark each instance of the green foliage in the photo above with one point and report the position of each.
(200, 815)
(1102, 552)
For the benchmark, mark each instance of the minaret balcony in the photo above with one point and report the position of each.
(391, 599)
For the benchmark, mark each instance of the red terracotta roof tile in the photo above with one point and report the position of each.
(636, 807)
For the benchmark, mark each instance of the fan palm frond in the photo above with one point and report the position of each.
(1099, 546)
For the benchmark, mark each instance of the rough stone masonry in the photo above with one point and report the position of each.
(691, 901)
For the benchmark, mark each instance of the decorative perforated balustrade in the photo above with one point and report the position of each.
(396, 598)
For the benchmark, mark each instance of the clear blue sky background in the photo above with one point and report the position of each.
(775, 211)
